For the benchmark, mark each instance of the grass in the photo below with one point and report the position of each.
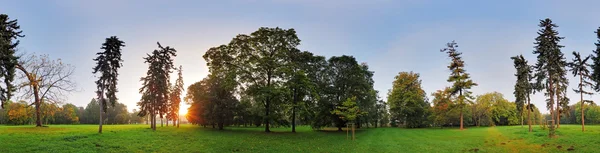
(189, 138)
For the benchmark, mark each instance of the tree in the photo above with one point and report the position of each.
(348, 111)
(548, 62)
(458, 76)
(579, 67)
(407, 100)
(443, 102)
(49, 112)
(108, 63)
(91, 112)
(176, 98)
(18, 113)
(346, 79)
(260, 63)
(155, 85)
(298, 84)
(44, 80)
(212, 102)
(9, 33)
(67, 114)
(523, 87)
(595, 66)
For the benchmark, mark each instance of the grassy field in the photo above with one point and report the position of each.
(188, 138)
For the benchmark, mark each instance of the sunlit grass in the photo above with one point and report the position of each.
(189, 138)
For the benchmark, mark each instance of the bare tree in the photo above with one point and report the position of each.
(44, 80)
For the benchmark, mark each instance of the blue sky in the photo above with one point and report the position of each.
(389, 35)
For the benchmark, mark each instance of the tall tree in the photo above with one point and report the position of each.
(155, 85)
(523, 87)
(595, 66)
(459, 77)
(298, 84)
(176, 98)
(548, 62)
(108, 63)
(579, 67)
(562, 84)
(9, 33)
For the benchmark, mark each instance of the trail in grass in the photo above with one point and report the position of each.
(497, 140)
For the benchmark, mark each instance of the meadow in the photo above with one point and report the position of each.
(190, 138)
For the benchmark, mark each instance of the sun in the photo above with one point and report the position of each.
(183, 110)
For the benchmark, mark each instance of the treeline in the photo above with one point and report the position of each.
(263, 79)
(409, 107)
(20, 113)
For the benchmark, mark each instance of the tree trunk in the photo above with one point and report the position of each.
(178, 119)
(294, 112)
(100, 122)
(221, 125)
(38, 120)
(267, 119)
(552, 113)
(529, 112)
(582, 112)
(521, 119)
(347, 133)
(167, 121)
(161, 121)
(558, 112)
(353, 132)
(461, 110)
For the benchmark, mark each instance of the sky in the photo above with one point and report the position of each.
(391, 36)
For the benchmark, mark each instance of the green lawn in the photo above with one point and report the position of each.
(188, 138)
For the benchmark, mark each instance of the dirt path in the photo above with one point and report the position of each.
(495, 139)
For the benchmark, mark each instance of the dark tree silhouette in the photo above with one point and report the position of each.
(155, 85)
(9, 33)
(175, 100)
(108, 63)
(523, 87)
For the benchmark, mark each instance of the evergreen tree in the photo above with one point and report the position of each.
(155, 85)
(548, 67)
(523, 87)
(108, 63)
(9, 33)
(595, 66)
(175, 96)
(579, 67)
(459, 77)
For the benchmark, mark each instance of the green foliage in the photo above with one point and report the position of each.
(9, 33)
(523, 87)
(407, 100)
(595, 66)
(550, 62)
(461, 80)
(212, 102)
(348, 111)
